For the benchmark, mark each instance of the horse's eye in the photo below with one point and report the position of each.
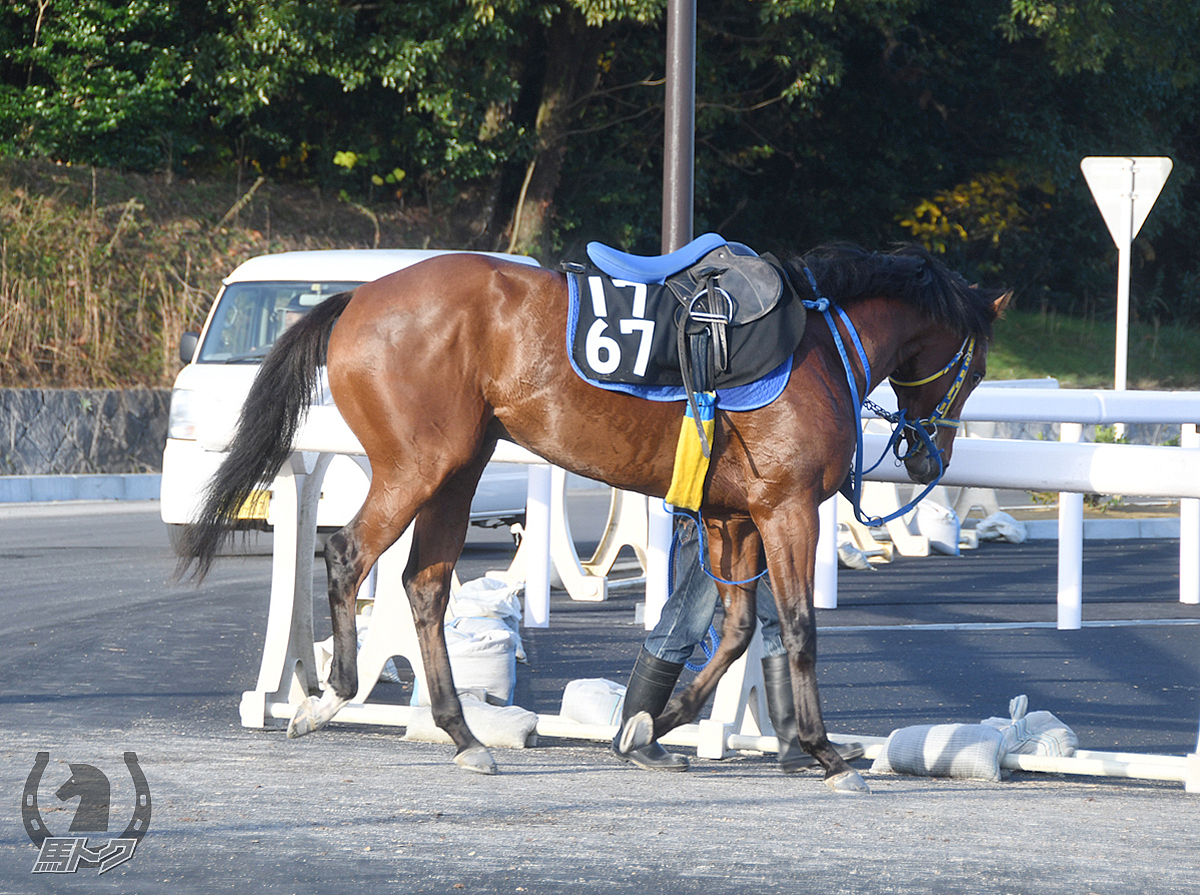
(976, 378)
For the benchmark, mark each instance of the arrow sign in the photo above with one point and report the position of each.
(1125, 188)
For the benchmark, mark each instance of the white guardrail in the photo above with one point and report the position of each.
(1066, 466)
(287, 671)
(1075, 469)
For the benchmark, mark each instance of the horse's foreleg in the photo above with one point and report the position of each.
(791, 558)
(801, 643)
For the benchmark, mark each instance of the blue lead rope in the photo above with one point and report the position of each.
(709, 644)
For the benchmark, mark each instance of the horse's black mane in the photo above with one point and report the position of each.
(845, 272)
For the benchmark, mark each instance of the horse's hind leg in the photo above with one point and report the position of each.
(349, 555)
(437, 541)
(438, 538)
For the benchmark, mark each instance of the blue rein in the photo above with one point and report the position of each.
(852, 488)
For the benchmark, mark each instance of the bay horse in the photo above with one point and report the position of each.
(431, 365)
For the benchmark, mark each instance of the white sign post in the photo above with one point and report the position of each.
(1125, 189)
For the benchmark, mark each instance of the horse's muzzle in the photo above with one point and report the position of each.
(921, 468)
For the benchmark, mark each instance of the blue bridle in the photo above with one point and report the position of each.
(852, 487)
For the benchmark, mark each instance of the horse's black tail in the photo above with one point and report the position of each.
(274, 409)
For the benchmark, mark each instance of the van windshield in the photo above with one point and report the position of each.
(251, 316)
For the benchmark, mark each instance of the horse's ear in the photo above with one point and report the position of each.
(1000, 305)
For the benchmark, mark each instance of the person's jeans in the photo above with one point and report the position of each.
(692, 602)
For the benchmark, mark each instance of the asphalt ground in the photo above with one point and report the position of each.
(101, 656)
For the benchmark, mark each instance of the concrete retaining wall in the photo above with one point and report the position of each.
(82, 431)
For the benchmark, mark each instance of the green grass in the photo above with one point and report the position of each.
(1081, 353)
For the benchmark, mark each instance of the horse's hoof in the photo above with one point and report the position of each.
(305, 720)
(848, 783)
(476, 759)
(636, 733)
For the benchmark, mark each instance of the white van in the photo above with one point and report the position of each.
(256, 303)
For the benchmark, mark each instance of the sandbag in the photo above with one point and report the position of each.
(480, 660)
(489, 598)
(593, 701)
(507, 726)
(970, 751)
(851, 556)
(1034, 733)
(974, 751)
(940, 525)
(1001, 527)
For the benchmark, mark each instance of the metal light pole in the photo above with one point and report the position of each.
(679, 182)
(679, 147)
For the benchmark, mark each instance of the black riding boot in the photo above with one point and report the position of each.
(650, 686)
(781, 706)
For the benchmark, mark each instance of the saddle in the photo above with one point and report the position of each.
(713, 314)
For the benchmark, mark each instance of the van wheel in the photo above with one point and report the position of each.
(175, 536)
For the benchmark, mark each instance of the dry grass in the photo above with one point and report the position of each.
(100, 272)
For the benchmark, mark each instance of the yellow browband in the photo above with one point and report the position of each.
(968, 346)
(938, 417)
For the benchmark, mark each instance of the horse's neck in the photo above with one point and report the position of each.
(889, 330)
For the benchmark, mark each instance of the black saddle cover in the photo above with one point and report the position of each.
(630, 332)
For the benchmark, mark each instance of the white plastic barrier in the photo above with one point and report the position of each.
(997, 403)
(1119, 469)
(988, 463)
(288, 669)
(1074, 469)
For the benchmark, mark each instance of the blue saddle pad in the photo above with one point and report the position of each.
(751, 396)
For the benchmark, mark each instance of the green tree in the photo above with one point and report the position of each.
(537, 124)
(92, 80)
